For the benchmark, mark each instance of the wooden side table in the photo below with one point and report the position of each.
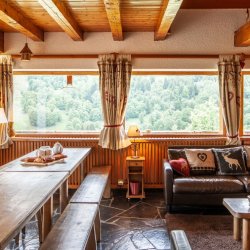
(239, 208)
(135, 168)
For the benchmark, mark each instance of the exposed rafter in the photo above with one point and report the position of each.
(15, 19)
(59, 12)
(1, 42)
(242, 36)
(167, 15)
(114, 16)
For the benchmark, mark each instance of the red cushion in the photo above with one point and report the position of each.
(180, 166)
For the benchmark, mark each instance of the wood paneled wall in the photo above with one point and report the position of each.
(154, 150)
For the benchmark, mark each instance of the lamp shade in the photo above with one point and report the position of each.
(134, 131)
(26, 53)
(3, 118)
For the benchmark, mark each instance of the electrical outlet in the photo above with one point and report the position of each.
(120, 182)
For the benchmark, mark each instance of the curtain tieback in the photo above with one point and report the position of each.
(112, 126)
(232, 137)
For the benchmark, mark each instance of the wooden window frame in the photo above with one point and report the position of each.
(153, 134)
(242, 132)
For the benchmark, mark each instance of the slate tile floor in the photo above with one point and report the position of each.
(126, 225)
(134, 224)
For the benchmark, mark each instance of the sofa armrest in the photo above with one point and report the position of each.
(168, 182)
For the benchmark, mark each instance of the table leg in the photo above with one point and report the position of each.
(106, 193)
(98, 226)
(64, 196)
(40, 224)
(47, 217)
(246, 234)
(237, 228)
(91, 245)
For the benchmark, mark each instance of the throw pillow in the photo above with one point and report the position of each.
(175, 154)
(230, 161)
(180, 166)
(201, 161)
(247, 150)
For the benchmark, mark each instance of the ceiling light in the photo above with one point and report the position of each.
(26, 52)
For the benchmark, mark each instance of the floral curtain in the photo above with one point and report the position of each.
(114, 84)
(6, 99)
(229, 85)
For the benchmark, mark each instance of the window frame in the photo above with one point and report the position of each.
(242, 131)
(95, 134)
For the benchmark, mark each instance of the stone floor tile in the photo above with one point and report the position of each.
(141, 210)
(124, 243)
(140, 241)
(162, 212)
(158, 237)
(112, 233)
(108, 212)
(106, 202)
(137, 223)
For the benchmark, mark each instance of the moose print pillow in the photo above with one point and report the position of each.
(201, 161)
(230, 161)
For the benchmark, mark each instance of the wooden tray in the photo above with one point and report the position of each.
(42, 164)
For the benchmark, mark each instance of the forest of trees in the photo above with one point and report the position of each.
(159, 103)
(246, 114)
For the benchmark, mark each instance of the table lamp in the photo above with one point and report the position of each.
(134, 131)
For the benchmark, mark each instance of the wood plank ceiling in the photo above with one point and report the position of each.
(34, 17)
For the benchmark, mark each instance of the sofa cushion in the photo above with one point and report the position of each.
(180, 166)
(175, 154)
(201, 161)
(246, 181)
(208, 184)
(230, 161)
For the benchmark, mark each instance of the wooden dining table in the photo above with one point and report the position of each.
(23, 195)
(27, 190)
(75, 156)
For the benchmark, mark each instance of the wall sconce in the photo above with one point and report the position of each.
(134, 131)
(26, 52)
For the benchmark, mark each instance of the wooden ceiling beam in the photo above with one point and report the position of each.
(15, 19)
(167, 15)
(215, 4)
(242, 36)
(114, 16)
(1, 41)
(60, 13)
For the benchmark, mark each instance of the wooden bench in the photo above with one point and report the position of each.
(179, 240)
(75, 229)
(95, 186)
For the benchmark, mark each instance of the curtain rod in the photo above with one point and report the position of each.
(90, 56)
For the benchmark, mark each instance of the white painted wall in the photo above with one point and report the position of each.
(193, 32)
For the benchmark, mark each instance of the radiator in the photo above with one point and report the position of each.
(154, 150)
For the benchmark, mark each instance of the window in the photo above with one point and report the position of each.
(177, 103)
(174, 103)
(246, 110)
(41, 103)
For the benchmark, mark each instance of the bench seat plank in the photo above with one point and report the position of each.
(91, 190)
(93, 186)
(74, 229)
(105, 170)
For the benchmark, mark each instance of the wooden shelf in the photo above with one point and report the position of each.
(135, 171)
(138, 196)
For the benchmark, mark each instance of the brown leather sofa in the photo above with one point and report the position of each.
(202, 190)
